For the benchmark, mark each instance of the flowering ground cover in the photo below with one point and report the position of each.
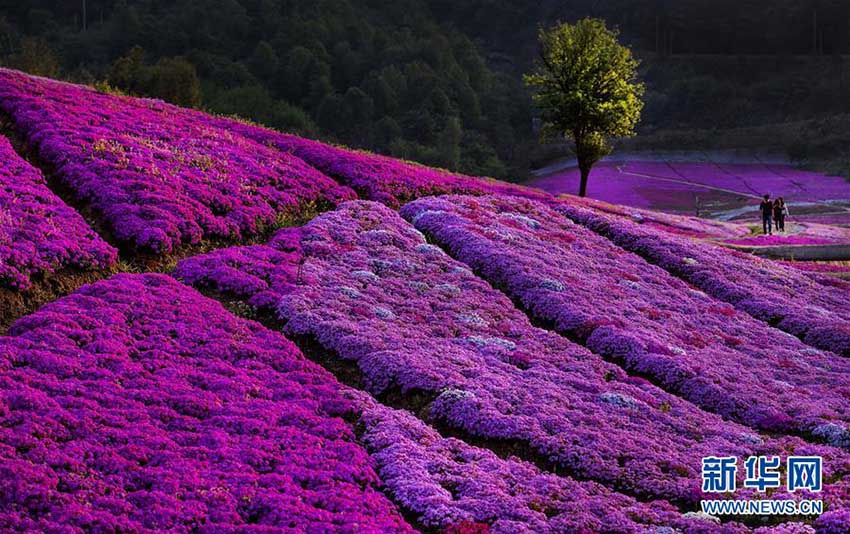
(799, 234)
(621, 307)
(778, 240)
(677, 224)
(159, 176)
(838, 217)
(776, 179)
(39, 234)
(814, 309)
(647, 185)
(137, 404)
(445, 482)
(387, 180)
(427, 333)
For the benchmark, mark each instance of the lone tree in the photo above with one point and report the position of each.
(586, 87)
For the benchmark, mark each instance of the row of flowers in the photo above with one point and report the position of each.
(161, 177)
(379, 178)
(652, 323)
(447, 483)
(674, 223)
(815, 309)
(419, 325)
(40, 234)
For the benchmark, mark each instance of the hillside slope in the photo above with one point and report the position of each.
(368, 344)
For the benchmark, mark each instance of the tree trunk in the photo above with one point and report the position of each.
(582, 188)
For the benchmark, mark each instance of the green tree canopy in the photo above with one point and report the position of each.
(586, 88)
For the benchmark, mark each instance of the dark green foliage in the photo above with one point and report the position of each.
(421, 63)
(173, 79)
(586, 88)
(35, 56)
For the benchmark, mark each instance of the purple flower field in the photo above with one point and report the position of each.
(435, 352)
(639, 315)
(39, 234)
(815, 310)
(159, 176)
(369, 288)
(136, 403)
(778, 240)
(819, 267)
(446, 482)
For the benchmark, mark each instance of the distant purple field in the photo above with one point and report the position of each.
(708, 188)
(778, 240)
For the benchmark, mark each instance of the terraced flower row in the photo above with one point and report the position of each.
(623, 308)
(136, 403)
(424, 331)
(816, 310)
(39, 234)
(677, 224)
(387, 180)
(161, 177)
(448, 483)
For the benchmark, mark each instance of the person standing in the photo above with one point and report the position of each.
(766, 208)
(780, 210)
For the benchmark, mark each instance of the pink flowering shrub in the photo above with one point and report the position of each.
(159, 176)
(40, 234)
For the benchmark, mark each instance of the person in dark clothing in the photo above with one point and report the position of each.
(766, 208)
(780, 210)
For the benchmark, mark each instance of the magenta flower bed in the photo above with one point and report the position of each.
(136, 404)
(623, 308)
(367, 286)
(387, 180)
(834, 218)
(161, 177)
(778, 240)
(814, 309)
(446, 482)
(40, 234)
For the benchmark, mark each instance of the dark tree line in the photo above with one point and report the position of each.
(671, 26)
(437, 81)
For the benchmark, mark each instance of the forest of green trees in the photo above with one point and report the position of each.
(436, 81)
